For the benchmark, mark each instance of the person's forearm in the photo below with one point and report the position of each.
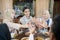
(24, 26)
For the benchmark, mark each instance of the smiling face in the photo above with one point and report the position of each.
(46, 15)
(27, 12)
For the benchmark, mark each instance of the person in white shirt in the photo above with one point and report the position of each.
(46, 17)
(26, 18)
(8, 19)
(46, 20)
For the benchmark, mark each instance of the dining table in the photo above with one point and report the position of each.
(37, 36)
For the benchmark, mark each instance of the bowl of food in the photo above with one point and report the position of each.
(24, 38)
(39, 38)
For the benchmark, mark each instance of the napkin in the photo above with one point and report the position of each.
(31, 37)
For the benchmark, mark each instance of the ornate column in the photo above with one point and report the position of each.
(6, 4)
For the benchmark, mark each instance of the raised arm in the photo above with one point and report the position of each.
(14, 25)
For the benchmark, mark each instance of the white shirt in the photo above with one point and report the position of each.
(50, 21)
(24, 20)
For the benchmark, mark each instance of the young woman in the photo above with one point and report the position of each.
(26, 18)
(46, 18)
(44, 22)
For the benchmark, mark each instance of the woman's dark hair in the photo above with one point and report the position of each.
(56, 27)
(25, 8)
